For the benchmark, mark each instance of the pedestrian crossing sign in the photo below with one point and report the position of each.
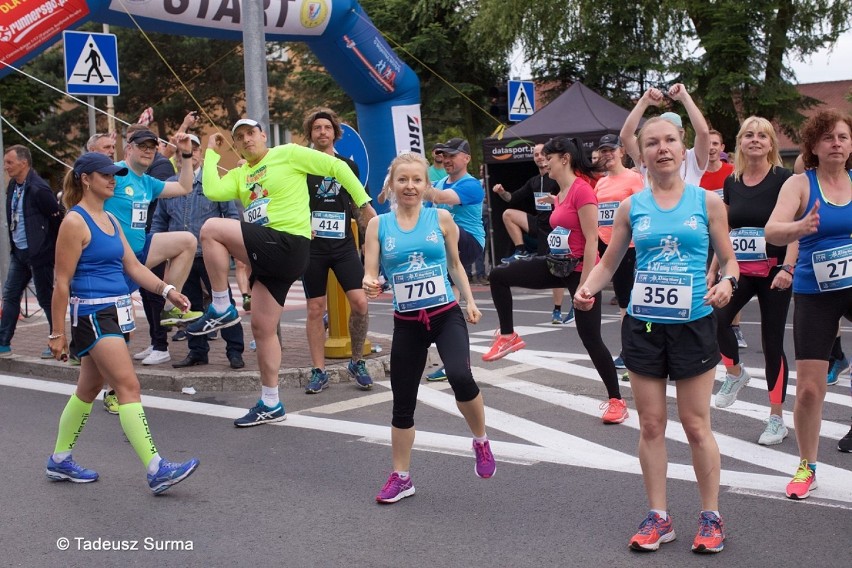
(521, 100)
(91, 63)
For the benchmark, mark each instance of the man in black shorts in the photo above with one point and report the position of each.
(333, 247)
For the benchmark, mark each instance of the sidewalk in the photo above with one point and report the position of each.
(31, 339)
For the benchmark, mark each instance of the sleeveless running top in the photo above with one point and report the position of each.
(671, 258)
(415, 262)
(100, 272)
(825, 257)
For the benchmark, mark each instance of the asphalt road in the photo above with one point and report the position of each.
(567, 490)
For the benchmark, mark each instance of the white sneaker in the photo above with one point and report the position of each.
(143, 354)
(775, 431)
(727, 395)
(157, 357)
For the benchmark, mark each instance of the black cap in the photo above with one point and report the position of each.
(609, 141)
(453, 146)
(143, 136)
(97, 162)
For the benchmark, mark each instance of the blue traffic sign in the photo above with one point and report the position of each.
(352, 146)
(91, 63)
(521, 100)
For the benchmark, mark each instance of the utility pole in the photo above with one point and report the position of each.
(254, 56)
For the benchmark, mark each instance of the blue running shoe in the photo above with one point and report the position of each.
(556, 317)
(838, 368)
(569, 317)
(212, 321)
(358, 371)
(619, 363)
(261, 414)
(439, 375)
(319, 381)
(68, 470)
(515, 256)
(170, 474)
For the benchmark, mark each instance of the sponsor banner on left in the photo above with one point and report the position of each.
(407, 129)
(27, 24)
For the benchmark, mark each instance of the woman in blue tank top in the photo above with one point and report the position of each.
(815, 207)
(670, 329)
(91, 257)
(416, 247)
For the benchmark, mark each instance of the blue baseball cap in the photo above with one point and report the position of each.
(97, 162)
(673, 118)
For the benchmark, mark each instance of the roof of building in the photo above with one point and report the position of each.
(832, 94)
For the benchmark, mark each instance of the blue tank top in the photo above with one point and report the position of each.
(825, 257)
(671, 258)
(415, 262)
(100, 272)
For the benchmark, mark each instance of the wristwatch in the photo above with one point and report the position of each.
(733, 281)
(788, 268)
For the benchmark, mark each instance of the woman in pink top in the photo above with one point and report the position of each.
(573, 242)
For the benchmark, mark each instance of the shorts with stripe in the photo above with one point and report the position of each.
(92, 328)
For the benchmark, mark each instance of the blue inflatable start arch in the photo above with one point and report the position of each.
(386, 92)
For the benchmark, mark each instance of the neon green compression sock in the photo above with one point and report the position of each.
(71, 424)
(135, 426)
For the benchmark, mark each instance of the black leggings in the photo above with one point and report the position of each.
(533, 273)
(622, 278)
(412, 337)
(774, 305)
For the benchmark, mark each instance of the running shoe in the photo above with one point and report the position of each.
(438, 375)
(845, 443)
(73, 361)
(111, 402)
(5, 351)
(711, 533)
(515, 256)
(653, 532)
(144, 353)
(68, 470)
(261, 414)
(175, 316)
(180, 335)
(839, 367)
(170, 474)
(395, 488)
(47, 353)
(213, 320)
(619, 363)
(569, 317)
(774, 432)
(358, 371)
(556, 317)
(738, 333)
(253, 345)
(502, 346)
(156, 357)
(727, 395)
(319, 381)
(485, 464)
(803, 482)
(615, 411)
(247, 303)
(625, 377)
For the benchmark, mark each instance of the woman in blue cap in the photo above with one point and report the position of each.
(92, 257)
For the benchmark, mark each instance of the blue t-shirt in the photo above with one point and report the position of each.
(129, 204)
(825, 257)
(415, 262)
(468, 214)
(671, 258)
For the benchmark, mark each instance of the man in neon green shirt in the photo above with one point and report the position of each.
(273, 238)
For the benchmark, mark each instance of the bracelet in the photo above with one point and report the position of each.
(55, 335)
(168, 288)
(186, 156)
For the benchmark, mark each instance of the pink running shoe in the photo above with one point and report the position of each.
(395, 489)
(502, 346)
(616, 411)
(485, 464)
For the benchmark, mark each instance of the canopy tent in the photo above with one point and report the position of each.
(578, 112)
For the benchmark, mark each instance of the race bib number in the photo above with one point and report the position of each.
(420, 289)
(124, 307)
(606, 213)
(557, 240)
(255, 213)
(328, 224)
(662, 296)
(833, 268)
(541, 206)
(140, 215)
(749, 244)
